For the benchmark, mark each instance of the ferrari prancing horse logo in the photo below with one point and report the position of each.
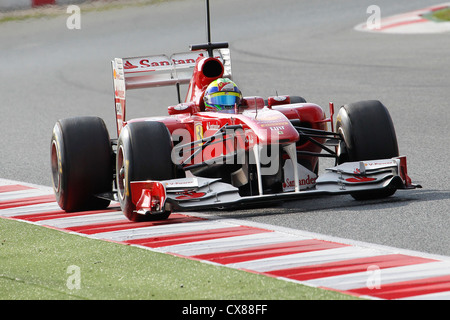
(198, 128)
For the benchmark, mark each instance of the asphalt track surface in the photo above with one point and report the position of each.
(306, 48)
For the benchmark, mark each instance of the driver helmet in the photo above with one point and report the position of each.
(222, 95)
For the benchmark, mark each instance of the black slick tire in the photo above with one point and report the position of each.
(369, 134)
(143, 153)
(81, 163)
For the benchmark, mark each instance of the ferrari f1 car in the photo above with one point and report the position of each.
(265, 150)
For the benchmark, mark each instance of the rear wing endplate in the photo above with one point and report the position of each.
(156, 71)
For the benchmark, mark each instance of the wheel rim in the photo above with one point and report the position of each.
(56, 167)
(342, 152)
(121, 181)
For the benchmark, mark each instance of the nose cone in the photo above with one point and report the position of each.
(271, 127)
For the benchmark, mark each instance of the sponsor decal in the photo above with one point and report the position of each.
(145, 63)
(360, 179)
(273, 123)
(186, 183)
(380, 163)
(306, 178)
(189, 194)
(128, 65)
(308, 181)
(152, 63)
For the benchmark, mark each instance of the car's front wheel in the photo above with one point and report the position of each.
(368, 134)
(143, 153)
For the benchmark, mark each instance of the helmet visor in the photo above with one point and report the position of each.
(224, 99)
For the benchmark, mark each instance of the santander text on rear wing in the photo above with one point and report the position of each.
(155, 71)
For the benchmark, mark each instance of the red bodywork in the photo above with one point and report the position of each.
(202, 140)
(258, 118)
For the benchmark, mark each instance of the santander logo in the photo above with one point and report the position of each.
(127, 65)
(306, 178)
(308, 181)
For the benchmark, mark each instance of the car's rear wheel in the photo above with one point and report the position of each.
(81, 163)
(143, 153)
(369, 134)
(297, 99)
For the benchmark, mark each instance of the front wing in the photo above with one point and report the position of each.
(195, 193)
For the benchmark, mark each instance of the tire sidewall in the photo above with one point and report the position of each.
(59, 169)
(123, 160)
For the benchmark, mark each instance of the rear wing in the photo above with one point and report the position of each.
(162, 70)
(156, 71)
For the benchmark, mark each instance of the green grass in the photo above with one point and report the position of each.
(443, 14)
(34, 264)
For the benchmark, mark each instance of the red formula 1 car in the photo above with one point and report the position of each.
(259, 150)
